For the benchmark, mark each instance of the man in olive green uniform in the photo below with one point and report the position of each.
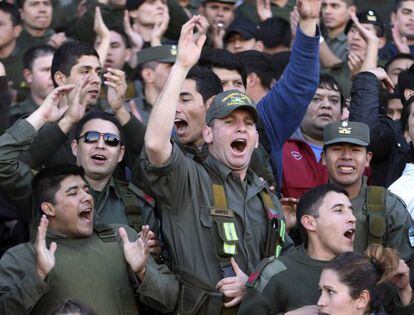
(73, 260)
(116, 201)
(327, 223)
(382, 217)
(37, 62)
(216, 211)
(358, 47)
(154, 65)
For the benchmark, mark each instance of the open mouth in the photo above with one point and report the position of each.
(180, 124)
(349, 234)
(98, 157)
(346, 169)
(86, 214)
(239, 145)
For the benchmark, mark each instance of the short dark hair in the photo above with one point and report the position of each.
(13, 11)
(405, 81)
(274, 32)
(149, 64)
(35, 52)
(398, 4)
(67, 55)
(119, 30)
(47, 182)
(67, 307)
(310, 203)
(259, 63)
(397, 57)
(97, 114)
(366, 272)
(326, 81)
(224, 59)
(208, 84)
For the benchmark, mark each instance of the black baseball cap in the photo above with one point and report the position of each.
(346, 132)
(367, 17)
(246, 28)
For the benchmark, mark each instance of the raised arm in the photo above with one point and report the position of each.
(16, 176)
(161, 122)
(282, 109)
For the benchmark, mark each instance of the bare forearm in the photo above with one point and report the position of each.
(161, 122)
(371, 56)
(327, 57)
(308, 26)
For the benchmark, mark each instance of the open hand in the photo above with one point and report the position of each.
(45, 258)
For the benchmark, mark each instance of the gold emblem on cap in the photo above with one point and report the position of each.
(173, 50)
(344, 131)
(371, 16)
(236, 99)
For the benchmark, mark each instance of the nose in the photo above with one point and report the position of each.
(352, 218)
(322, 301)
(95, 77)
(100, 143)
(325, 103)
(241, 126)
(86, 196)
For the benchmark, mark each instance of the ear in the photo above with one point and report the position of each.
(48, 209)
(148, 75)
(121, 153)
(74, 146)
(60, 78)
(207, 134)
(352, 9)
(128, 55)
(259, 46)
(369, 157)
(251, 80)
(133, 14)
(16, 30)
(308, 222)
(256, 145)
(28, 76)
(201, 10)
(209, 102)
(393, 18)
(382, 42)
(363, 300)
(323, 156)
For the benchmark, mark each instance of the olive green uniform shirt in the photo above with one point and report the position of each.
(183, 189)
(92, 270)
(292, 281)
(22, 109)
(339, 46)
(25, 41)
(397, 219)
(14, 71)
(16, 177)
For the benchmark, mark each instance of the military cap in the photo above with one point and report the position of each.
(367, 17)
(246, 28)
(133, 4)
(223, 1)
(346, 132)
(228, 101)
(164, 53)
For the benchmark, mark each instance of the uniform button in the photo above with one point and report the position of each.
(399, 145)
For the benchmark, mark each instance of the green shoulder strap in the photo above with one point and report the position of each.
(376, 214)
(131, 204)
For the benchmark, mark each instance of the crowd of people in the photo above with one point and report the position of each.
(206, 157)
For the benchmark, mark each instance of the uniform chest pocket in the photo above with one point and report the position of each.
(205, 217)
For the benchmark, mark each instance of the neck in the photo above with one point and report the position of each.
(241, 174)
(35, 32)
(315, 251)
(257, 94)
(354, 189)
(145, 31)
(199, 143)
(6, 50)
(151, 94)
(410, 42)
(97, 184)
(313, 140)
(36, 99)
(332, 33)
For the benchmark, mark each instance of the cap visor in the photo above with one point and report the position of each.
(347, 140)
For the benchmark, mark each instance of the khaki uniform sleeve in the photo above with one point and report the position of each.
(15, 176)
(160, 288)
(398, 223)
(20, 286)
(168, 183)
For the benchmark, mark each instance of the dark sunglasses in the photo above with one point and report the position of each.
(93, 136)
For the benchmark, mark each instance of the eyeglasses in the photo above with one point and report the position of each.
(93, 136)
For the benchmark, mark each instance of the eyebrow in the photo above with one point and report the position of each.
(71, 188)
(185, 94)
(89, 67)
(341, 205)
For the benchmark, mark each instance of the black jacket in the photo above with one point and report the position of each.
(390, 150)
